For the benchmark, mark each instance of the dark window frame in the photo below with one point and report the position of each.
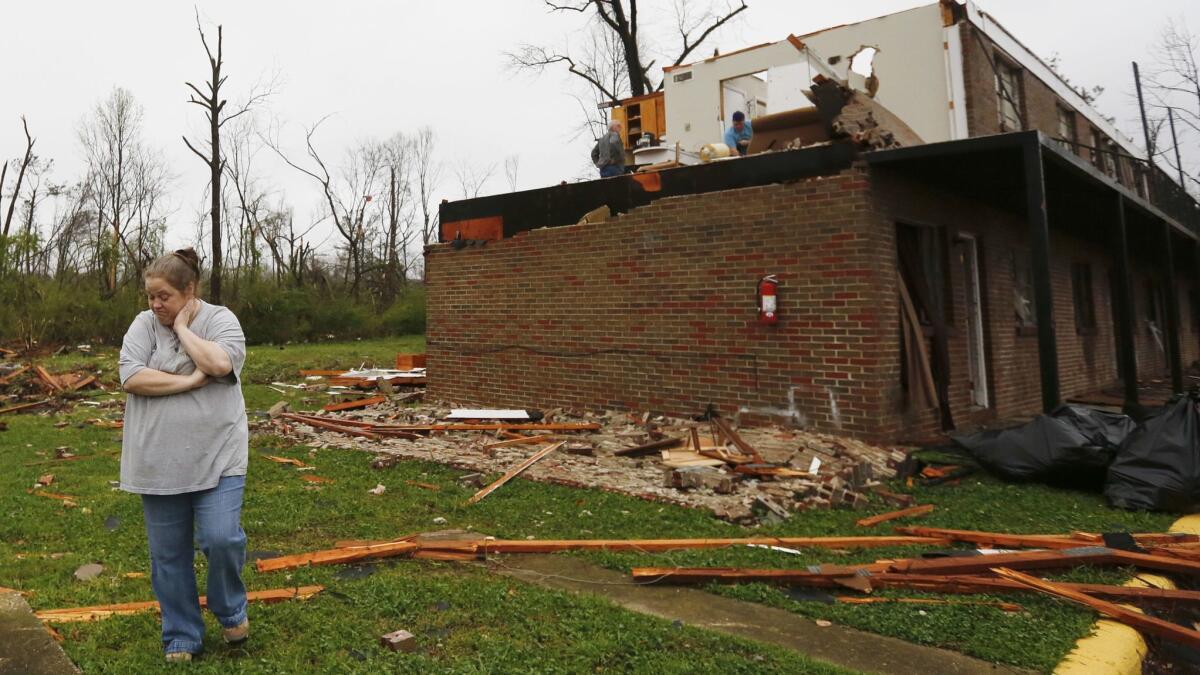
(1016, 92)
(1084, 298)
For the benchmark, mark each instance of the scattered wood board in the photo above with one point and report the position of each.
(514, 472)
(23, 406)
(1134, 619)
(910, 512)
(677, 459)
(96, 612)
(649, 448)
(745, 448)
(285, 460)
(327, 425)
(322, 373)
(519, 440)
(337, 556)
(353, 405)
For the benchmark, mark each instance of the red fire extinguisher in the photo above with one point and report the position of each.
(767, 301)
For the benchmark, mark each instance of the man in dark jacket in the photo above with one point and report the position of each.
(609, 153)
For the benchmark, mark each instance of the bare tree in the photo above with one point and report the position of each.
(427, 173)
(472, 177)
(512, 167)
(124, 182)
(217, 117)
(25, 162)
(692, 27)
(398, 233)
(347, 193)
(1172, 86)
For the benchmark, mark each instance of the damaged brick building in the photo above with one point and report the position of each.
(942, 271)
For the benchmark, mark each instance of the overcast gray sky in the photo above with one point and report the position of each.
(381, 67)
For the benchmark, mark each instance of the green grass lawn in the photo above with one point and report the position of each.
(465, 618)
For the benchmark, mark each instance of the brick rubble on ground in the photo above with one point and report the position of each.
(848, 468)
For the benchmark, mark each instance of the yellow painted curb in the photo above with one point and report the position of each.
(1113, 648)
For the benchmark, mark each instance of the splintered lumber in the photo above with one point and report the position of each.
(1091, 555)
(649, 448)
(516, 426)
(337, 556)
(50, 380)
(519, 440)
(23, 406)
(322, 373)
(7, 379)
(757, 469)
(910, 512)
(95, 612)
(1005, 606)
(285, 460)
(997, 539)
(352, 405)
(658, 545)
(737, 440)
(329, 426)
(512, 473)
(1145, 624)
(957, 584)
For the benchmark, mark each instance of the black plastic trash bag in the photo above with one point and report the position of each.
(1158, 467)
(1071, 447)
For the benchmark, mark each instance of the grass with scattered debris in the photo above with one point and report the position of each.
(465, 619)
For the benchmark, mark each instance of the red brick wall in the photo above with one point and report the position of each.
(655, 310)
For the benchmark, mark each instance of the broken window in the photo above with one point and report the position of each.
(1024, 301)
(923, 259)
(1155, 313)
(1008, 94)
(1102, 153)
(1085, 307)
(1066, 128)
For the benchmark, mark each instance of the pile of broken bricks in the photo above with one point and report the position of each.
(740, 474)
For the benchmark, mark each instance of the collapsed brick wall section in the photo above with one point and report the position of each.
(655, 310)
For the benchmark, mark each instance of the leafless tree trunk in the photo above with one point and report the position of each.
(5, 244)
(214, 111)
(512, 167)
(346, 196)
(427, 171)
(471, 177)
(1173, 84)
(123, 177)
(620, 18)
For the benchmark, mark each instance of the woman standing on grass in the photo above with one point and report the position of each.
(184, 449)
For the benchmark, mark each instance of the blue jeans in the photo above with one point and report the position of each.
(213, 517)
(610, 170)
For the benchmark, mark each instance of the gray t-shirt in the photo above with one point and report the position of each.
(183, 442)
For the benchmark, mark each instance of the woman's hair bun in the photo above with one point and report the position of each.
(190, 257)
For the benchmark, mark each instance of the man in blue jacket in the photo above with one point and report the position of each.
(737, 136)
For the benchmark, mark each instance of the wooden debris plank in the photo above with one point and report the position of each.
(1145, 624)
(649, 448)
(329, 426)
(981, 584)
(49, 379)
(685, 575)
(910, 512)
(336, 556)
(7, 379)
(359, 543)
(512, 473)
(853, 600)
(518, 426)
(737, 440)
(322, 373)
(424, 486)
(95, 612)
(725, 456)
(81, 383)
(995, 538)
(756, 469)
(352, 405)
(23, 406)
(285, 460)
(660, 545)
(519, 440)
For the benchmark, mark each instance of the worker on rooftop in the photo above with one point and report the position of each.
(609, 152)
(738, 135)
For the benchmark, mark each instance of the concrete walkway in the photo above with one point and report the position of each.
(835, 644)
(25, 646)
